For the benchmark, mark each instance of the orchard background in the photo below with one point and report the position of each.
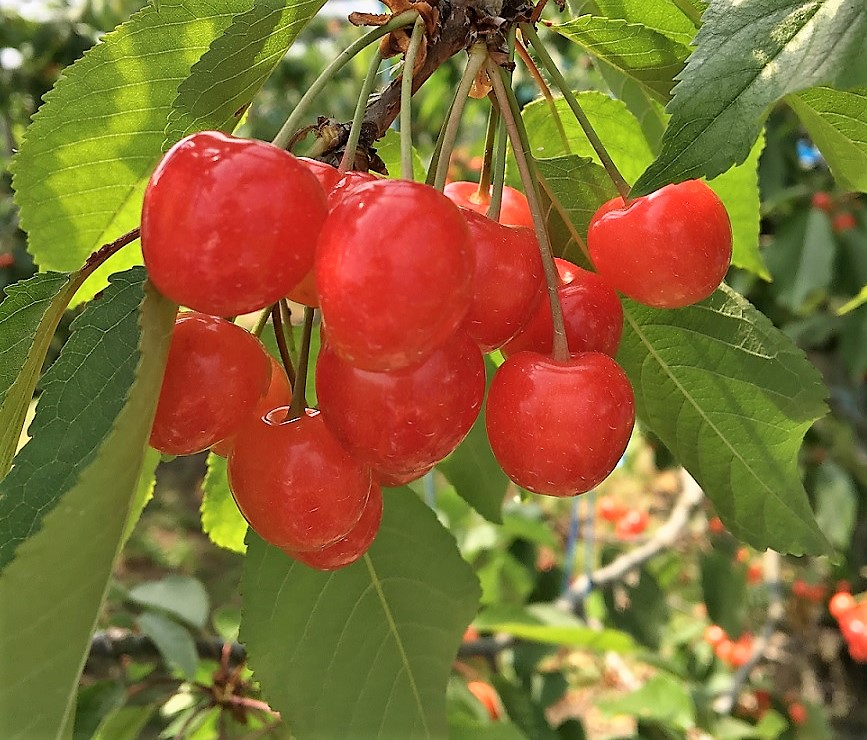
(122, 600)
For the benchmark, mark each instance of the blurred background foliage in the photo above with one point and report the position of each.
(649, 674)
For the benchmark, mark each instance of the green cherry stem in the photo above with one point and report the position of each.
(286, 315)
(280, 336)
(299, 388)
(498, 175)
(348, 159)
(521, 147)
(483, 193)
(406, 99)
(262, 321)
(548, 63)
(293, 122)
(476, 60)
(546, 93)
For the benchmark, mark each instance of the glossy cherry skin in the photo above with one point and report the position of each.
(395, 480)
(215, 375)
(279, 394)
(559, 428)
(350, 548)
(394, 270)
(507, 282)
(229, 225)
(592, 315)
(294, 483)
(514, 210)
(404, 421)
(668, 249)
(327, 175)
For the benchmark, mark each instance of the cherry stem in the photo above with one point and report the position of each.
(521, 147)
(262, 321)
(483, 194)
(476, 60)
(106, 251)
(347, 162)
(546, 93)
(299, 396)
(547, 62)
(406, 99)
(286, 315)
(498, 175)
(293, 122)
(280, 336)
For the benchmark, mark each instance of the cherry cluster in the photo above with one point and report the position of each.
(413, 286)
(851, 615)
(735, 653)
(628, 523)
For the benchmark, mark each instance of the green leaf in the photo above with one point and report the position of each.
(221, 519)
(836, 503)
(739, 191)
(87, 156)
(801, 260)
(465, 729)
(175, 643)
(662, 698)
(747, 56)
(365, 651)
(181, 596)
(52, 591)
(547, 625)
(723, 586)
(388, 149)
(522, 710)
(127, 723)
(84, 391)
(28, 319)
(224, 81)
(837, 122)
(616, 126)
(732, 398)
(647, 57)
(474, 471)
(144, 492)
(663, 16)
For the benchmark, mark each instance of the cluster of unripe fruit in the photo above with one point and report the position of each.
(412, 290)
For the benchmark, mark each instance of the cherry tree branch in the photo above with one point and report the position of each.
(667, 535)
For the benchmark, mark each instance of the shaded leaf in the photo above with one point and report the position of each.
(87, 156)
(224, 81)
(365, 651)
(662, 698)
(733, 403)
(175, 643)
(126, 723)
(221, 519)
(28, 319)
(474, 471)
(48, 620)
(723, 586)
(837, 122)
(836, 503)
(465, 729)
(522, 710)
(748, 55)
(649, 58)
(181, 596)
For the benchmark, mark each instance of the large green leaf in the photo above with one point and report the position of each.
(365, 651)
(84, 391)
(647, 57)
(52, 591)
(474, 471)
(748, 55)
(837, 123)
(28, 319)
(82, 169)
(723, 587)
(732, 397)
(223, 82)
(662, 15)
(222, 521)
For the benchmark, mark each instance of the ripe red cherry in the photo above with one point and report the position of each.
(714, 635)
(229, 225)
(843, 221)
(215, 375)
(351, 547)
(487, 696)
(841, 603)
(610, 509)
(822, 201)
(394, 268)
(797, 713)
(631, 524)
(347, 184)
(395, 480)
(327, 175)
(279, 394)
(294, 483)
(592, 315)
(507, 282)
(668, 249)
(514, 210)
(403, 421)
(559, 428)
